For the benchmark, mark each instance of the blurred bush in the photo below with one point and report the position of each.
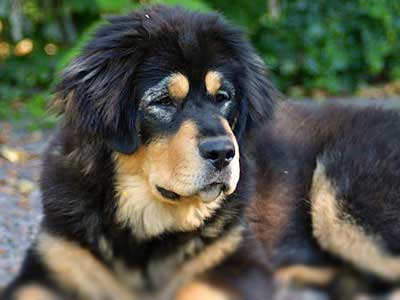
(333, 46)
(309, 46)
(336, 46)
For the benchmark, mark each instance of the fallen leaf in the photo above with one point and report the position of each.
(25, 186)
(12, 155)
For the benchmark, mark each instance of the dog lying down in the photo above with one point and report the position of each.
(177, 173)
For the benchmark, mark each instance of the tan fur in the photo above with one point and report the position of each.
(34, 292)
(213, 82)
(341, 236)
(235, 164)
(215, 253)
(129, 276)
(394, 295)
(306, 275)
(75, 268)
(105, 248)
(171, 163)
(178, 86)
(198, 290)
(209, 257)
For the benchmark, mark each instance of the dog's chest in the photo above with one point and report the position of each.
(160, 269)
(168, 266)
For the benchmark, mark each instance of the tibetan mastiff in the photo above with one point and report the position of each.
(140, 185)
(176, 174)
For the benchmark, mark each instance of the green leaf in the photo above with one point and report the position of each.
(116, 6)
(188, 4)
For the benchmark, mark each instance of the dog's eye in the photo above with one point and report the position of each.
(166, 101)
(222, 96)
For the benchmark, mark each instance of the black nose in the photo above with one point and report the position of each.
(218, 150)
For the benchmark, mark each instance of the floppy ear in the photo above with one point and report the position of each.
(258, 96)
(259, 93)
(96, 93)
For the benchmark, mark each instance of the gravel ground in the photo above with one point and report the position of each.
(20, 208)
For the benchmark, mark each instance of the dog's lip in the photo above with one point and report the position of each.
(168, 194)
(212, 192)
(208, 193)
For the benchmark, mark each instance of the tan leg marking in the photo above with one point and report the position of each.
(207, 259)
(214, 253)
(306, 275)
(178, 86)
(34, 292)
(78, 270)
(198, 290)
(342, 236)
(213, 82)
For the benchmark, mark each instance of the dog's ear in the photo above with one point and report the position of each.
(96, 93)
(258, 95)
(261, 94)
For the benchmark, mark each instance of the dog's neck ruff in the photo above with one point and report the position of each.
(148, 217)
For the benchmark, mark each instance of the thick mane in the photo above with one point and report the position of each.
(96, 92)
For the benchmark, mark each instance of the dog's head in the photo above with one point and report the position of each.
(171, 93)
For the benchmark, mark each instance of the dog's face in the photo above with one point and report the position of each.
(188, 149)
(170, 93)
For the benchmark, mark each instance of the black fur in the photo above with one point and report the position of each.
(360, 150)
(98, 97)
(133, 52)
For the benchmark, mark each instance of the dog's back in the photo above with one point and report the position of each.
(328, 186)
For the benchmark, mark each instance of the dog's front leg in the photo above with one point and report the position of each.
(58, 269)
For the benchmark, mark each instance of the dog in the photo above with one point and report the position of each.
(142, 187)
(327, 196)
(177, 173)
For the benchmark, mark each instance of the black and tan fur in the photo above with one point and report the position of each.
(137, 206)
(137, 202)
(328, 194)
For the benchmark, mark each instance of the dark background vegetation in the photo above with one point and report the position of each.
(313, 48)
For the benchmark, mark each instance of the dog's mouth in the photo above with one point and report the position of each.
(168, 194)
(207, 194)
(212, 192)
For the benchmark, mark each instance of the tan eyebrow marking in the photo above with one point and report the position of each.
(178, 86)
(213, 82)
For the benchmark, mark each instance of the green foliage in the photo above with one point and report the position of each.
(333, 46)
(115, 6)
(120, 6)
(198, 5)
(50, 28)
